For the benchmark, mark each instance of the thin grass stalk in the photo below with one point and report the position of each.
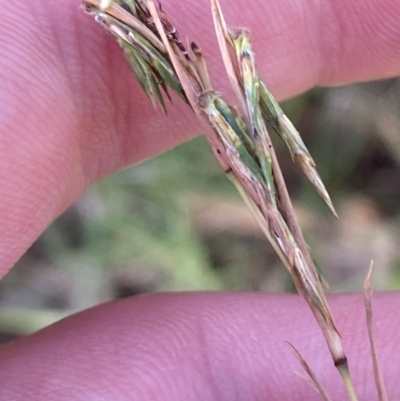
(379, 383)
(313, 380)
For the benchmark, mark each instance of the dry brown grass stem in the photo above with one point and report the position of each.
(379, 383)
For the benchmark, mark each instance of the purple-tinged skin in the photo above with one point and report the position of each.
(71, 112)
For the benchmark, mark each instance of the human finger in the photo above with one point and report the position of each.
(72, 111)
(204, 346)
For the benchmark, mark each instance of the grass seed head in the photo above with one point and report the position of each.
(238, 137)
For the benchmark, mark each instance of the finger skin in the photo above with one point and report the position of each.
(205, 346)
(72, 111)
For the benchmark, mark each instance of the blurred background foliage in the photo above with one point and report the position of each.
(176, 223)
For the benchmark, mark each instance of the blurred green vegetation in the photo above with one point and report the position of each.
(176, 223)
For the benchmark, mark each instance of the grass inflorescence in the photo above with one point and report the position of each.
(238, 136)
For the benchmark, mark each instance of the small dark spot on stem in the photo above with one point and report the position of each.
(341, 361)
